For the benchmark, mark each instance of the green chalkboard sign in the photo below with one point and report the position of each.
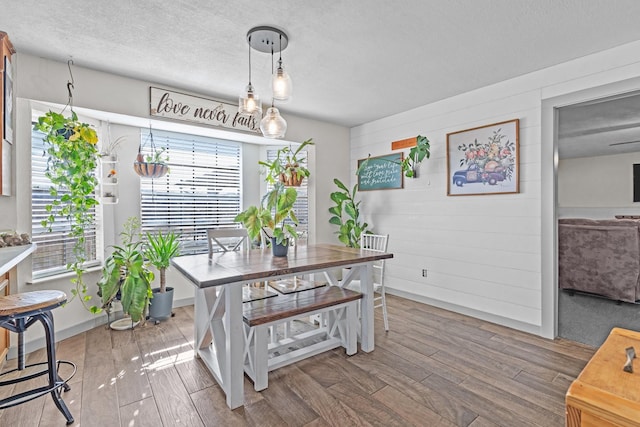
(380, 173)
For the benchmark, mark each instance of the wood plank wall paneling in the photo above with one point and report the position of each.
(476, 246)
(433, 367)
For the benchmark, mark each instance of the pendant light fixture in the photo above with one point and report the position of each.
(282, 86)
(249, 101)
(273, 125)
(269, 40)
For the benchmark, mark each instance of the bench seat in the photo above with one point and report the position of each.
(338, 328)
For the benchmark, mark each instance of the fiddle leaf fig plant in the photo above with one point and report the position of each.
(346, 215)
(71, 147)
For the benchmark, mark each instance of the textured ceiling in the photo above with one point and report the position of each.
(351, 61)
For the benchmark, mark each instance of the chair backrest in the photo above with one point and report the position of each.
(227, 240)
(378, 243)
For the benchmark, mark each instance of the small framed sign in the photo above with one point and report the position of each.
(380, 173)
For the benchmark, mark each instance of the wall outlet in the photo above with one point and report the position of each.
(424, 272)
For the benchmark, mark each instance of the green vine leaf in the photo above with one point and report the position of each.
(72, 159)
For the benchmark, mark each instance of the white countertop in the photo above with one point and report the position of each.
(11, 256)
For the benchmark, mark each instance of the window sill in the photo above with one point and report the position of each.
(59, 276)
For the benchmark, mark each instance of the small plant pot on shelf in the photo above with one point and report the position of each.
(150, 170)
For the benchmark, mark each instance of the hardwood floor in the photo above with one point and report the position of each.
(433, 368)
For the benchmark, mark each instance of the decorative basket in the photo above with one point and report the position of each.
(292, 180)
(150, 170)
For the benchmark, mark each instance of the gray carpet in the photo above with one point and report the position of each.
(589, 319)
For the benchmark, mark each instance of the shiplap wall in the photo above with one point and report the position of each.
(483, 253)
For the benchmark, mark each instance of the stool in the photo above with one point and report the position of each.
(17, 313)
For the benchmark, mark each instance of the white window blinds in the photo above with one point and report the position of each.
(55, 248)
(201, 190)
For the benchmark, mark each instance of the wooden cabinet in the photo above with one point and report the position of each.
(604, 395)
(6, 113)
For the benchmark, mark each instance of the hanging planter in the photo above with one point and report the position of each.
(287, 168)
(150, 169)
(151, 165)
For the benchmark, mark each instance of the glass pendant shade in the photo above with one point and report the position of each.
(273, 125)
(249, 102)
(282, 87)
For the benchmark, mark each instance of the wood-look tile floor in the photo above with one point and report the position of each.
(433, 368)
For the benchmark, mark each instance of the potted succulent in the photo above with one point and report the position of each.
(346, 215)
(257, 219)
(126, 276)
(286, 167)
(72, 152)
(159, 250)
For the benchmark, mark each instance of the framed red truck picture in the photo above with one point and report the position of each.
(483, 160)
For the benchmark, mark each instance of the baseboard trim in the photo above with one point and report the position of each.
(62, 334)
(510, 323)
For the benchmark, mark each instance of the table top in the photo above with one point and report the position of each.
(258, 264)
(12, 256)
(603, 387)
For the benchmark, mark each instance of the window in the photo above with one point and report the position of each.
(55, 248)
(201, 190)
(301, 207)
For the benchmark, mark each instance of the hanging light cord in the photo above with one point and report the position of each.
(249, 60)
(279, 54)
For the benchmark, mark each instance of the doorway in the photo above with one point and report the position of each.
(587, 172)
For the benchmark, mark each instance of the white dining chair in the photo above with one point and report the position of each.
(378, 243)
(227, 240)
(221, 240)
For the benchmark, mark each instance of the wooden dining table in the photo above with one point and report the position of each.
(219, 334)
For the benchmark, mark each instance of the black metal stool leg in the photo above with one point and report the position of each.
(46, 319)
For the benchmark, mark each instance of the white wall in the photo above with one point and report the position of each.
(484, 254)
(597, 187)
(39, 79)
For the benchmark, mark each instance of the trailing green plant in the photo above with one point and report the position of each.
(125, 271)
(280, 200)
(71, 147)
(346, 215)
(416, 155)
(286, 167)
(159, 250)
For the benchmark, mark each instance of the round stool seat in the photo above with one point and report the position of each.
(18, 312)
(27, 302)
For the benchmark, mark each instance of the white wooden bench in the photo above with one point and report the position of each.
(340, 329)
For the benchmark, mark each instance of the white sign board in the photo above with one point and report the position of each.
(189, 108)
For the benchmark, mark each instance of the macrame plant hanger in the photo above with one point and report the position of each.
(151, 169)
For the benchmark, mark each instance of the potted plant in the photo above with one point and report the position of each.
(159, 250)
(346, 215)
(286, 167)
(257, 219)
(416, 155)
(71, 164)
(152, 164)
(126, 276)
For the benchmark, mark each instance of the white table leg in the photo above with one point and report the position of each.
(366, 316)
(233, 375)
